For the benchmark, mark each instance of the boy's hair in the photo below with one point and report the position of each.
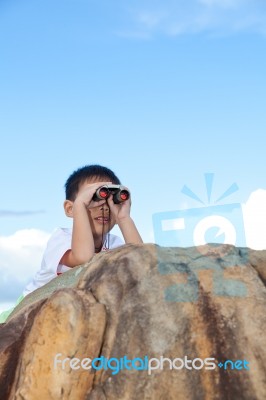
(80, 176)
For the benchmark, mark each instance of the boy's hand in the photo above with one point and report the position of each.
(121, 213)
(121, 210)
(86, 194)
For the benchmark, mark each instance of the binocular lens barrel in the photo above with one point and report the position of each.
(124, 195)
(103, 193)
(119, 194)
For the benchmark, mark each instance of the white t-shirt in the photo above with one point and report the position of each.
(57, 245)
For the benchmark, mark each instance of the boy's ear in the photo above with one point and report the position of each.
(68, 207)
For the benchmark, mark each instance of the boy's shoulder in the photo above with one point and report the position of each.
(112, 241)
(61, 232)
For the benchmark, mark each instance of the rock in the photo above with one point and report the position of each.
(143, 301)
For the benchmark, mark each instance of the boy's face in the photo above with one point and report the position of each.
(100, 217)
(101, 220)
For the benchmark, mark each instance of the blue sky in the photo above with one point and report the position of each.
(161, 92)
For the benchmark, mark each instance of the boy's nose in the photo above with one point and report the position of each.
(104, 207)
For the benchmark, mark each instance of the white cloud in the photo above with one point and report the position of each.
(6, 306)
(175, 18)
(12, 213)
(20, 258)
(150, 20)
(222, 3)
(254, 212)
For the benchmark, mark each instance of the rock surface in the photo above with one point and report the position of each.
(137, 301)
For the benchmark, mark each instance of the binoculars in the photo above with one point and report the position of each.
(119, 193)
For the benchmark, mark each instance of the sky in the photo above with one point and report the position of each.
(168, 94)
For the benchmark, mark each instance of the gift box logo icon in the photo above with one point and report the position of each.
(212, 223)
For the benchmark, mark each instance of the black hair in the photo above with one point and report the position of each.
(80, 176)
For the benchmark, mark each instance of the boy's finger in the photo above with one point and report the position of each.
(99, 184)
(110, 200)
(96, 203)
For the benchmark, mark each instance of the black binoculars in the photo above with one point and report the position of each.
(119, 193)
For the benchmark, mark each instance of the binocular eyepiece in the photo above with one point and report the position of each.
(119, 193)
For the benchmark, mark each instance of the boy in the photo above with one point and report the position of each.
(92, 222)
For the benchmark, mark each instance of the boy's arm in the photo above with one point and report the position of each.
(82, 245)
(129, 230)
(125, 222)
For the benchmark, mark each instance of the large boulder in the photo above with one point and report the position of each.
(195, 319)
